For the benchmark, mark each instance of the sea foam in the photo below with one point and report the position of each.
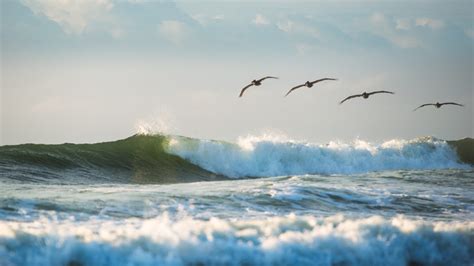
(276, 156)
(286, 240)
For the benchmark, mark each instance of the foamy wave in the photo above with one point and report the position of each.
(289, 240)
(275, 156)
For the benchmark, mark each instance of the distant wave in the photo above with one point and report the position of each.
(174, 159)
(273, 156)
(289, 240)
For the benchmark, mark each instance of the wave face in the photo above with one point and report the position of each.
(287, 240)
(273, 156)
(138, 159)
(174, 159)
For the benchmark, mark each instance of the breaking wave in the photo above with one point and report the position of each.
(275, 156)
(175, 159)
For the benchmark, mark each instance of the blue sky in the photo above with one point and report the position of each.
(84, 71)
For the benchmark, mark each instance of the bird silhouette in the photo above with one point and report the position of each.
(255, 82)
(437, 105)
(308, 84)
(365, 95)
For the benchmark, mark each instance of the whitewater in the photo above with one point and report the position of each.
(270, 155)
(262, 200)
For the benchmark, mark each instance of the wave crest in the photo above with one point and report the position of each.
(275, 156)
(175, 159)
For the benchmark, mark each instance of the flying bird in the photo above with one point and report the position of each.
(365, 95)
(437, 105)
(308, 84)
(255, 82)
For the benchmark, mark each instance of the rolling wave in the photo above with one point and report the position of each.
(137, 159)
(175, 159)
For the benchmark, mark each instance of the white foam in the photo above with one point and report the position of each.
(288, 240)
(276, 156)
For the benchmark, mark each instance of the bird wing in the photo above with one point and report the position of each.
(323, 79)
(350, 97)
(423, 105)
(267, 77)
(294, 88)
(375, 92)
(245, 88)
(452, 103)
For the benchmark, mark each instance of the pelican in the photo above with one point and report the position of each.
(255, 82)
(308, 84)
(365, 95)
(437, 105)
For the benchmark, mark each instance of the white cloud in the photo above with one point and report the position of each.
(285, 26)
(289, 26)
(173, 30)
(434, 24)
(73, 16)
(205, 19)
(403, 24)
(260, 20)
(385, 29)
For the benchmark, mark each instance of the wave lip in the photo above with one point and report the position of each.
(289, 240)
(269, 156)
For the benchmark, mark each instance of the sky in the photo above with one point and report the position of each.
(100, 70)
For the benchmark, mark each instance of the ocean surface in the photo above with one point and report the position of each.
(172, 200)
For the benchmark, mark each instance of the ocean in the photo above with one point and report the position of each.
(173, 200)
